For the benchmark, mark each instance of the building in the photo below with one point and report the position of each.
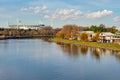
(26, 27)
(106, 37)
(89, 33)
(116, 38)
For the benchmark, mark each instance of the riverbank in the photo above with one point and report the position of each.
(90, 44)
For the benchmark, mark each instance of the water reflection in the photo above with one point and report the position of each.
(83, 50)
(70, 50)
(35, 59)
(96, 53)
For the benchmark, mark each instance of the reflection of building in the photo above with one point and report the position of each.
(89, 33)
(28, 26)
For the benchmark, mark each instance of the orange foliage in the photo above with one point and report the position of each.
(67, 36)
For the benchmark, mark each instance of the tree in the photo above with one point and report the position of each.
(84, 37)
(67, 36)
(100, 28)
(96, 37)
(102, 25)
(68, 29)
(112, 29)
(60, 34)
(93, 28)
(43, 31)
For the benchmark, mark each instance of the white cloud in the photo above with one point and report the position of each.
(47, 16)
(36, 10)
(99, 14)
(65, 14)
(116, 19)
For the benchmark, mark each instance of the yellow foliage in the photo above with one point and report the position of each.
(84, 37)
(60, 34)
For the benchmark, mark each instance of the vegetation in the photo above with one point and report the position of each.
(67, 36)
(60, 34)
(70, 30)
(101, 28)
(30, 32)
(96, 37)
(83, 37)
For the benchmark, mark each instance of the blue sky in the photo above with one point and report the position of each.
(60, 12)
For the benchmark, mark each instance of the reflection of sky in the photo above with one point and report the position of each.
(40, 60)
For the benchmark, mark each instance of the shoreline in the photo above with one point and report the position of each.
(115, 47)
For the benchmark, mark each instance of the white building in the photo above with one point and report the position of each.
(106, 37)
(116, 38)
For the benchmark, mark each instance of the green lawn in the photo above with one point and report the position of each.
(92, 44)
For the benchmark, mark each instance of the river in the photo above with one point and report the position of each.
(36, 59)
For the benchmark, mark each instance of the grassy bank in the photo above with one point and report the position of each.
(91, 44)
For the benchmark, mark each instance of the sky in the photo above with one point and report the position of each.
(60, 12)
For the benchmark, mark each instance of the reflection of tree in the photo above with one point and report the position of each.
(95, 53)
(46, 39)
(69, 49)
(75, 50)
(117, 57)
(59, 43)
(83, 50)
(103, 51)
(116, 54)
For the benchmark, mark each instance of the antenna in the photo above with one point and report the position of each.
(18, 22)
(7, 25)
(52, 22)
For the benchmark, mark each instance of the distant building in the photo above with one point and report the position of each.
(26, 27)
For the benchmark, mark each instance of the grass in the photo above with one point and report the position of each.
(91, 44)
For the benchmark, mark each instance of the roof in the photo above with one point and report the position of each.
(88, 32)
(106, 34)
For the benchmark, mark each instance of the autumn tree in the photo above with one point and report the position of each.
(43, 31)
(67, 36)
(84, 36)
(60, 34)
(96, 37)
(71, 28)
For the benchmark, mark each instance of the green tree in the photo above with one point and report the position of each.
(94, 28)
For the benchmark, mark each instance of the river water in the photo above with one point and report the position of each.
(36, 59)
